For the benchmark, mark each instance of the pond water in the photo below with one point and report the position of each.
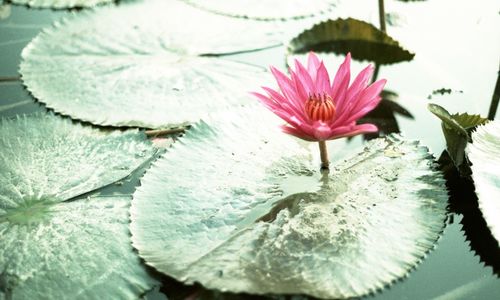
(457, 47)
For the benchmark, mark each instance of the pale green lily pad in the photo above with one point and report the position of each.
(55, 248)
(69, 250)
(265, 9)
(484, 154)
(46, 156)
(238, 206)
(60, 3)
(143, 64)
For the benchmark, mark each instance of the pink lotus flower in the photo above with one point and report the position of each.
(317, 109)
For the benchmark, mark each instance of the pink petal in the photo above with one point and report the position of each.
(297, 133)
(355, 130)
(366, 109)
(367, 100)
(312, 64)
(340, 94)
(322, 131)
(342, 77)
(286, 86)
(323, 80)
(267, 101)
(305, 78)
(360, 82)
(285, 104)
(299, 87)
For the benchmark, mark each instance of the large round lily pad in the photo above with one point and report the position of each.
(484, 153)
(43, 155)
(69, 250)
(61, 3)
(265, 9)
(55, 248)
(144, 63)
(239, 206)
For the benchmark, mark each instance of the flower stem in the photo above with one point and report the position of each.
(495, 99)
(323, 151)
(381, 14)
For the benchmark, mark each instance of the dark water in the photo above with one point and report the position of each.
(457, 46)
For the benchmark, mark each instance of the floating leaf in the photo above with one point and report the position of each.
(142, 64)
(456, 129)
(43, 155)
(68, 250)
(484, 153)
(60, 3)
(363, 40)
(264, 9)
(240, 207)
(74, 249)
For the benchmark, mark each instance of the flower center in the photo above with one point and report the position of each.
(320, 107)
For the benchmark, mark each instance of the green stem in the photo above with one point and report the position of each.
(381, 14)
(494, 100)
(323, 151)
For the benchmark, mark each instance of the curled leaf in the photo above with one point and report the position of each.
(456, 130)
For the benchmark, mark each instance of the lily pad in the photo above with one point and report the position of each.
(363, 40)
(55, 248)
(265, 9)
(484, 153)
(43, 155)
(238, 206)
(69, 250)
(141, 64)
(60, 3)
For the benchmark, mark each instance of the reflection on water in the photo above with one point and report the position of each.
(463, 200)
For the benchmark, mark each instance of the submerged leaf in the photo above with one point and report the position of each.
(240, 207)
(60, 3)
(484, 153)
(141, 64)
(363, 40)
(69, 250)
(54, 248)
(456, 130)
(264, 9)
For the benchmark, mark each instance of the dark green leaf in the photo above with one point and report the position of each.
(363, 40)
